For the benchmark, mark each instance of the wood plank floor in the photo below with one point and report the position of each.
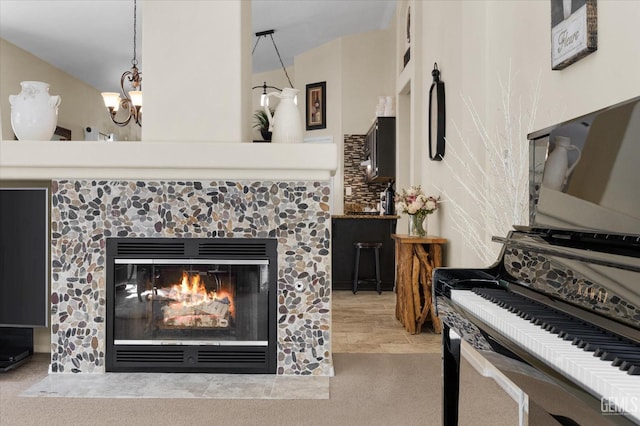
(365, 322)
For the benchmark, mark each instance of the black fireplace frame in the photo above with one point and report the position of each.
(213, 358)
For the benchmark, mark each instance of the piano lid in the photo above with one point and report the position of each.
(585, 173)
(585, 214)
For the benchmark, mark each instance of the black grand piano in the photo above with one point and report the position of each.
(559, 312)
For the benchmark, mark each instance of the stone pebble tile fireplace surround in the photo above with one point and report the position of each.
(85, 212)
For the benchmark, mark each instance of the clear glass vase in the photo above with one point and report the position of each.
(418, 224)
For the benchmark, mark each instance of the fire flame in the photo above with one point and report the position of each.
(192, 292)
(193, 288)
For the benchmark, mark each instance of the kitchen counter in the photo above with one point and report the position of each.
(346, 230)
(364, 216)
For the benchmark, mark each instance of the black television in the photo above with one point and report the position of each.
(24, 269)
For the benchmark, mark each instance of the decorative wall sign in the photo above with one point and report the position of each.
(316, 116)
(574, 31)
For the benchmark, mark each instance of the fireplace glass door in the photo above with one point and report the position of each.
(191, 302)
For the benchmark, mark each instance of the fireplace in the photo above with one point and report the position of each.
(86, 214)
(191, 305)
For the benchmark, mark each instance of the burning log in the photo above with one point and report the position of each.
(197, 321)
(193, 306)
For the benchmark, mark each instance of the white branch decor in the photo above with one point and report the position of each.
(499, 187)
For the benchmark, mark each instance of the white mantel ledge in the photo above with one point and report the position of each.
(166, 160)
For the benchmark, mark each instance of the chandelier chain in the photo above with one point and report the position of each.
(270, 34)
(134, 61)
(256, 45)
(280, 58)
(131, 101)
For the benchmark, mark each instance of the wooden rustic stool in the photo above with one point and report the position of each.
(356, 279)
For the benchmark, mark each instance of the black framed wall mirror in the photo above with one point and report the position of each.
(437, 116)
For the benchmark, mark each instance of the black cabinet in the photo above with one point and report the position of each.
(380, 150)
(24, 267)
(344, 232)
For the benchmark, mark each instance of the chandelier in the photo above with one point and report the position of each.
(131, 100)
(263, 98)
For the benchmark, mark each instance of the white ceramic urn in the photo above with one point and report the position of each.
(34, 113)
(286, 123)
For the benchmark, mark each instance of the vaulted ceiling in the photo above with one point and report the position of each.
(93, 39)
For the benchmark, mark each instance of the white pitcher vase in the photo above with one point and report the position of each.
(286, 123)
(34, 113)
(556, 168)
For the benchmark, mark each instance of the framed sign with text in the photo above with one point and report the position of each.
(574, 31)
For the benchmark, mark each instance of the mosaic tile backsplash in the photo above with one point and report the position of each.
(362, 193)
(86, 212)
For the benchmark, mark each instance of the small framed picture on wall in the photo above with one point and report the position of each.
(316, 111)
(407, 40)
(574, 31)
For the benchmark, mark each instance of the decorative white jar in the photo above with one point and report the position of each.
(557, 168)
(285, 123)
(34, 113)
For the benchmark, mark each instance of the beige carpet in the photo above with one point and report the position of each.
(368, 389)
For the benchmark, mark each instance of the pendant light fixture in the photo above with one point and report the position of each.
(131, 100)
(263, 98)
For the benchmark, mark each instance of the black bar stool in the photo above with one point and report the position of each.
(356, 279)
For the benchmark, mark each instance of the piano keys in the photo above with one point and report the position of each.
(559, 311)
(581, 366)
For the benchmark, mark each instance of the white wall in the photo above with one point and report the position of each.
(322, 64)
(197, 72)
(367, 72)
(476, 43)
